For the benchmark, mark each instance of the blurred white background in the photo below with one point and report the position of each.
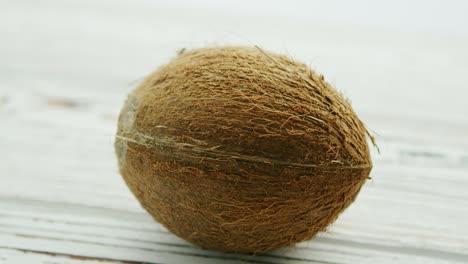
(409, 53)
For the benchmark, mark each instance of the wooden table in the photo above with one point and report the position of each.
(65, 70)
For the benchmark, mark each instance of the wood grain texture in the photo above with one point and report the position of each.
(66, 67)
(28, 256)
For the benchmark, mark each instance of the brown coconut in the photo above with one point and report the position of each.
(241, 150)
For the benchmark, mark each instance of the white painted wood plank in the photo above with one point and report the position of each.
(10, 256)
(66, 68)
(138, 238)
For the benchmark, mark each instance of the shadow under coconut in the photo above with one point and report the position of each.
(286, 255)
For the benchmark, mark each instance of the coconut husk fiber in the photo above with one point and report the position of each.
(241, 150)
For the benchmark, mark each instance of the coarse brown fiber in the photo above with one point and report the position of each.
(241, 150)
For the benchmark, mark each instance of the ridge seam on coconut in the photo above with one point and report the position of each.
(152, 142)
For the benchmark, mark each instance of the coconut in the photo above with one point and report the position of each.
(241, 150)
